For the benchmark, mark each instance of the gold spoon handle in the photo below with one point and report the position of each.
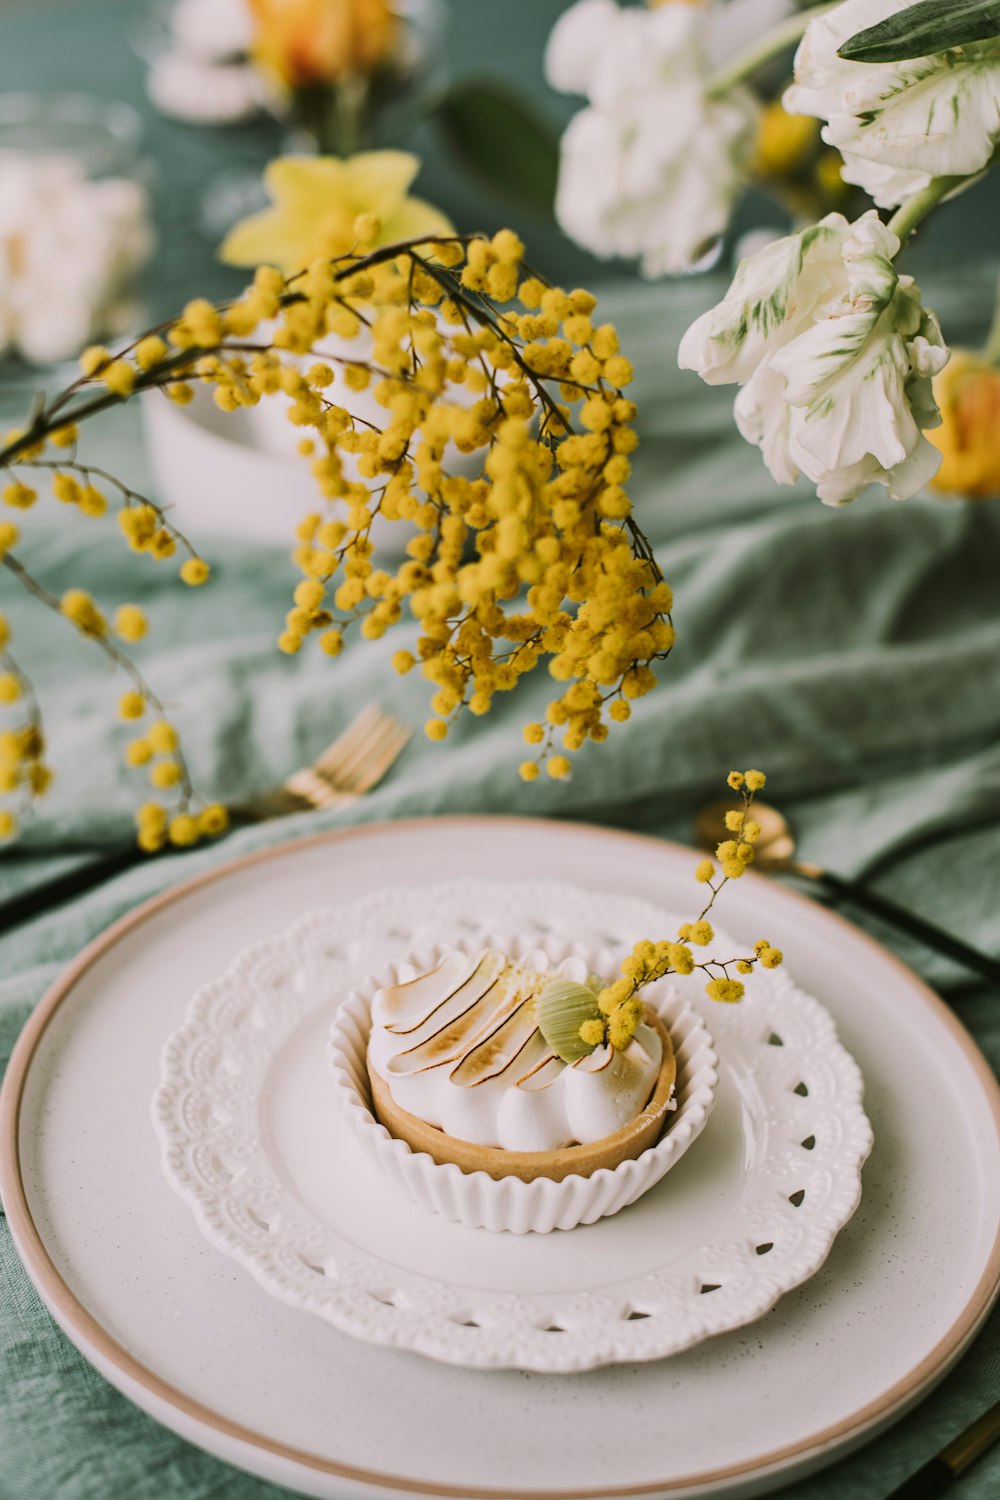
(898, 917)
(940, 1473)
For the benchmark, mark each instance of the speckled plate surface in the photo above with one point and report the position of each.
(258, 1141)
(196, 1341)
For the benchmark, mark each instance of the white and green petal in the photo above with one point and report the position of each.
(899, 124)
(772, 298)
(835, 353)
(763, 417)
(845, 383)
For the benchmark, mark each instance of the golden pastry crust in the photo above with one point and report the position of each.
(630, 1141)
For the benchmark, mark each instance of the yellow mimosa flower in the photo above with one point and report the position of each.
(320, 205)
(305, 42)
(968, 393)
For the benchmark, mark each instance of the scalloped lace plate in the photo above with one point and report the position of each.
(253, 1140)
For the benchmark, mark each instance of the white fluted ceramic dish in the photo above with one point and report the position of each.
(476, 1199)
(259, 1159)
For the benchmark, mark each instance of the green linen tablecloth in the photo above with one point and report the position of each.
(854, 654)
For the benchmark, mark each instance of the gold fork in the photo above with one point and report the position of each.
(355, 763)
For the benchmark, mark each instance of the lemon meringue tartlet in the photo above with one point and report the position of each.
(479, 1062)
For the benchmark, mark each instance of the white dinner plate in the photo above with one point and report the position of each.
(278, 1177)
(194, 1340)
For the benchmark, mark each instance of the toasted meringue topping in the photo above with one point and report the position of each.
(459, 1046)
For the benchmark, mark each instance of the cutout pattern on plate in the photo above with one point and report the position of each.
(215, 1153)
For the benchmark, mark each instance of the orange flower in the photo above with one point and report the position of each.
(307, 42)
(968, 393)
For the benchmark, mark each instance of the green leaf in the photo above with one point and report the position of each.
(924, 29)
(504, 142)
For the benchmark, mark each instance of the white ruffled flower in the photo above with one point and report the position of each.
(652, 166)
(835, 354)
(206, 77)
(897, 125)
(201, 93)
(69, 250)
(213, 30)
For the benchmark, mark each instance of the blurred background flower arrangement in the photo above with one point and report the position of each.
(464, 422)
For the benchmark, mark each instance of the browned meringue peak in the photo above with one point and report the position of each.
(405, 1007)
(542, 1071)
(485, 1020)
(492, 1055)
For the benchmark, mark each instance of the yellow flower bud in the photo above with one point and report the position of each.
(93, 359)
(130, 622)
(592, 1032)
(309, 594)
(66, 489)
(194, 571)
(151, 815)
(213, 820)
(92, 502)
(138, 753)
(618, 370)
(680, 958)
(165, 773)
(149, 351)
(19, 495)
(119, 377)
(78, 606)
(728, 991)
(182, 830)
(163, 737)
(131, 705)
